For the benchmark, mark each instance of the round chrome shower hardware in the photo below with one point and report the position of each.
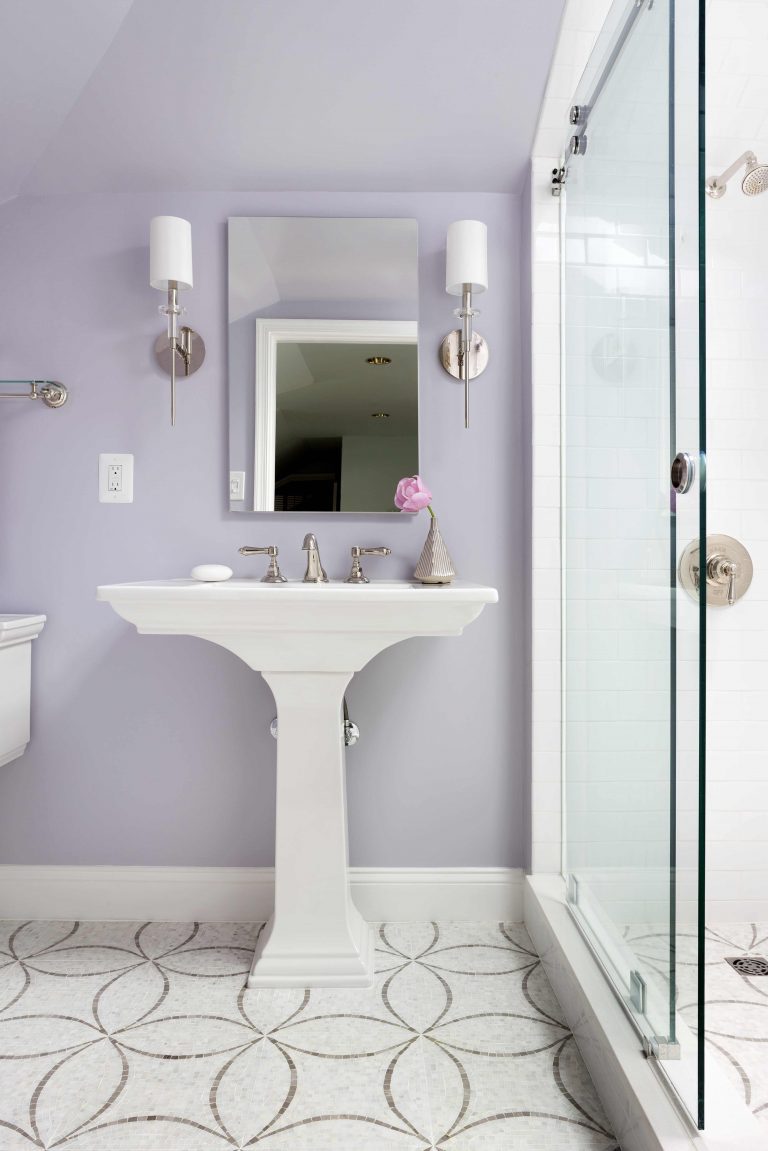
(715, 189)
(578, 144)
(682, 473)
(727, 570)
(753, 182)
(578, 114)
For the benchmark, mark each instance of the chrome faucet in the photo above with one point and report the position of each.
(315, 572)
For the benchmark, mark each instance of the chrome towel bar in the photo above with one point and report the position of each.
(53, 394)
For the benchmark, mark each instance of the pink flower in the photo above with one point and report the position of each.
(412, 494)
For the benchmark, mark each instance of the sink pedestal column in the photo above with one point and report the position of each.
(316, 936)
(307, 640)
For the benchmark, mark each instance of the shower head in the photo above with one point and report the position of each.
(755, 179)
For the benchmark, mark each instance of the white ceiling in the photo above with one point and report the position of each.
(374, 95)
(330, 390)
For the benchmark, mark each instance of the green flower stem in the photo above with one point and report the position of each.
(429, 509)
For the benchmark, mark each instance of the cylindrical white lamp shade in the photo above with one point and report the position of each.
(170, 252)
(466, 257)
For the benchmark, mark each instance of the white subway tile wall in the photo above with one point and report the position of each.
(737, 433)
(737, 463)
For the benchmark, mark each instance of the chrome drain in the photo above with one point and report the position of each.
(749, 964)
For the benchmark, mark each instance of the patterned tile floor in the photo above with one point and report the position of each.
(128, 1037)
(736, 1005)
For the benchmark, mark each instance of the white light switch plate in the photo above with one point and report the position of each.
(237, 485)
(115, 478)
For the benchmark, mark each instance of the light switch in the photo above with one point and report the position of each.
(237, 485)
(115, 478)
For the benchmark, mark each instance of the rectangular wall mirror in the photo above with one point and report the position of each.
(323, 362)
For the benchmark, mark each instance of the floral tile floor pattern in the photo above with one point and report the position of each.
(142, 1037)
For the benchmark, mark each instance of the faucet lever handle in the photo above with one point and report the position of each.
(274, 575)
(356, 574)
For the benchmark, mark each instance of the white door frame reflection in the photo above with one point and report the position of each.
(270, 333)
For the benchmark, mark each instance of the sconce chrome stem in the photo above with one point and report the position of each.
(172, 310)
(185, 343)
(466, 307)
(464, 352)
(172, 341)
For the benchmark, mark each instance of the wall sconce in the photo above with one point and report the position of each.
(170, 270)
(464, 353)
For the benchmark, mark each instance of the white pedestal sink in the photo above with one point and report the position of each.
(307, 640)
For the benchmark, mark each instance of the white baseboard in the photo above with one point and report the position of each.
(246, 894)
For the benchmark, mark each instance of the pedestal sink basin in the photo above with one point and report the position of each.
(307, 640)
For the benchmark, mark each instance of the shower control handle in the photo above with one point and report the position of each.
(721, 570)
(725, 574)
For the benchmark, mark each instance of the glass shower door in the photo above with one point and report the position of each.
(631, 401)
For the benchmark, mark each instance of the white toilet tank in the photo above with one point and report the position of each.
(16, 635)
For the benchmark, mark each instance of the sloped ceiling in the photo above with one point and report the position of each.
(114, 95)
(49, 50)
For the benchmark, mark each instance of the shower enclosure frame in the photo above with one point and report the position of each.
(627, 875)
(571, 965)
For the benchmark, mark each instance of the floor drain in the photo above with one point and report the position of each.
(749, 964)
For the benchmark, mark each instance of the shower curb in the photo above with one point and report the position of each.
(643, 1114)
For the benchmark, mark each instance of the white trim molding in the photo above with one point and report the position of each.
(583, 22)
(270, 333)
(246, 894)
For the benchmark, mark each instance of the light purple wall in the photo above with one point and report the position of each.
(153, 750)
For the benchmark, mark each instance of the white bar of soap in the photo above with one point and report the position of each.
(211, 573)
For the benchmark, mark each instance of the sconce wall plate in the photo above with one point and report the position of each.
(451, 354)
(185, 366)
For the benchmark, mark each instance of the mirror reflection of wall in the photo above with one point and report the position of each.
(323, 362)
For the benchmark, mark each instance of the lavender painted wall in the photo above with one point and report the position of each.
(152, 750)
